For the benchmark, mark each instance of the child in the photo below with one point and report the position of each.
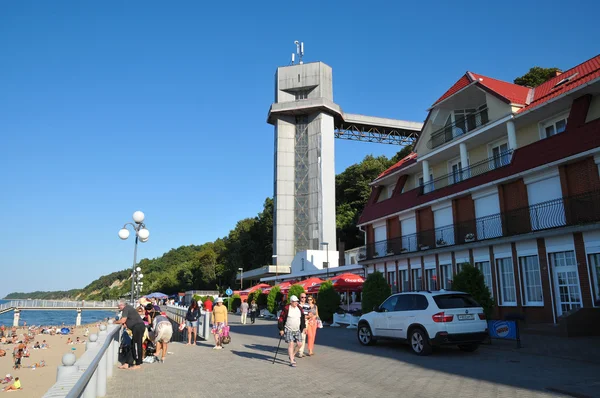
(7, 379)
(36, 346)
(69, 341)
(15, 386)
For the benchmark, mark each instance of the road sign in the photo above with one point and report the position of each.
(229, 292)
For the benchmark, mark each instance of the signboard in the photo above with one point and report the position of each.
(503, 330)
(229, 292)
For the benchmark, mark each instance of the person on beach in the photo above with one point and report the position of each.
(69, 341)
(253, 311)
(17, 355)
(219, 321)
(133, 321)
(312, 324)
(7, 379)
(292, 326)
(36, 346)
(191, 321)
(162, 333)
(244, 309)
(14, 386)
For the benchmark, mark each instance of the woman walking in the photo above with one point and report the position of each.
(219, 321)
(191, 321)
(253, 311)
(313, 321)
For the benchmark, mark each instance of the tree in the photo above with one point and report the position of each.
(272, 302)
(236, 301)
(470, 280)
(375, 291)
(536, 76)
(329, 301)
(262, 300)
(295, 290)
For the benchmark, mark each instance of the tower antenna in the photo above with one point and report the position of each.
(299, 50)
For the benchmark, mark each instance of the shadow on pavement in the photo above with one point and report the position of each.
(262, 357)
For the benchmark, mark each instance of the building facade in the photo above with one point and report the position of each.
(503, 177)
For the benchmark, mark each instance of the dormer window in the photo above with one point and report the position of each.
(565, 80)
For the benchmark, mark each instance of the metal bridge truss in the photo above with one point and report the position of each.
(374, 134)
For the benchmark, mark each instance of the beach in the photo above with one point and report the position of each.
(36, 382)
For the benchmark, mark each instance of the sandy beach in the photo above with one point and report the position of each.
(36, 382)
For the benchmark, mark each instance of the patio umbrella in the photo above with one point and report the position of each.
(254, 288)
(282, 285)
(347, 283)
(306, 284)
(157, 295)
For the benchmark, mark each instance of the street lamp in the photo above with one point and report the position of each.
(241, 278)
(326, 244)
(141, 234)
(274, 257)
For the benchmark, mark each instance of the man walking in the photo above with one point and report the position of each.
(134, 322)
(291, 326)
(305, 308)
(244, 309)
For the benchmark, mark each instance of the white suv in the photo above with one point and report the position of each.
(426, 319)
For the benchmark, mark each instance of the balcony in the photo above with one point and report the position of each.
(482, 167)
(461, 126)
(568, 211)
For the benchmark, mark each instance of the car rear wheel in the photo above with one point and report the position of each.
(468, 347)
(419, 342)
(365, 336)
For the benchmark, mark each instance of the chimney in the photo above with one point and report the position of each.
(558, 73)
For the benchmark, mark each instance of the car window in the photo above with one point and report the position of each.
(411, 302)
(389, 304)
(449, 301)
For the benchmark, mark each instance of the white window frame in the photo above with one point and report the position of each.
(530, 280)
(412, 276)
(501, 300)
(595, 273)
(497, 144)
(444, 277)
(419, 176)
(463, 173)
(429, 273)
(487, 274)
(552, 121)
(404, 272)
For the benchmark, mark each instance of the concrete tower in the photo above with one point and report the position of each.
(304, 191)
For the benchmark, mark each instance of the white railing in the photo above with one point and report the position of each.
(346, 319)
(57, 304)
(177, 315)
(87, 376)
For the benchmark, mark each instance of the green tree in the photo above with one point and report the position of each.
(262, 300)
(236, 301)
(329, 301)
(295, 290)
(470, 280)
(536, 76)
(375, 291)
(272, 301)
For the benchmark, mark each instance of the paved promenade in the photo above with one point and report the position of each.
(343, 368)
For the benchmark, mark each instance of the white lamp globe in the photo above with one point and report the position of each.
(144, 234)
(138, 217)
(138, 269)
(140, 276)
(123, 233)
(144, 240)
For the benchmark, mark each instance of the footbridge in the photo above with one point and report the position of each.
(46, 305)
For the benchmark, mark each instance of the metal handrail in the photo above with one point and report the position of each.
(451, 131)
(85, 377)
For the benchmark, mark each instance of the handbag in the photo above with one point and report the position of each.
(226, 339)
(319, 323)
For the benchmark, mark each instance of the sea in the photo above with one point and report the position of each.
(54, 317)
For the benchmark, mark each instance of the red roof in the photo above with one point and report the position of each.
(408, 160)
(581, 74)
(511, 92)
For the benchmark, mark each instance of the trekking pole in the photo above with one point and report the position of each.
(276, 351)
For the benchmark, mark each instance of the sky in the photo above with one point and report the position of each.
(111, 107)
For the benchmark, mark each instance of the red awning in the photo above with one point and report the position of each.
(254, 288)
(306, 284)
(282, 286)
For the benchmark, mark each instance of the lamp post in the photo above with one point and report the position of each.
(274, 257)
(326, 244)
(241, 278)
(141, 234)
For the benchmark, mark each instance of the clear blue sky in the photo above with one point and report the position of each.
(109, 107)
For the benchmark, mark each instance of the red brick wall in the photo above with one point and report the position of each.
(425, 223)
(514, 203)
(370, 235)
(582, 176)
(582, 268)
(393, 228)
(463, 210)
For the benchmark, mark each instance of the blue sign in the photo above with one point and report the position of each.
(503, 330)
(229, 292)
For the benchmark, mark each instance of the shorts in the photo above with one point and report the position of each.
(191, 324)
(164, 333)
(292, 336)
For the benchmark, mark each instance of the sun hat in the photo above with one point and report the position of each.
(294, 298)
(219, 299)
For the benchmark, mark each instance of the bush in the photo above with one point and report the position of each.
(262, 300)
(197, 298)
(255, 295)
(272, 302)
(329, 301)
(295, 290)
(236, 302)
(470, 280)
(375, 291)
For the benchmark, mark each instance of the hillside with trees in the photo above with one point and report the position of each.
(213, 265)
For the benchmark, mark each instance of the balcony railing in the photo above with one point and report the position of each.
(567, 211)
(462, 125)
(489, 164)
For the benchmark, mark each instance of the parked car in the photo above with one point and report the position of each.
(425, 319)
